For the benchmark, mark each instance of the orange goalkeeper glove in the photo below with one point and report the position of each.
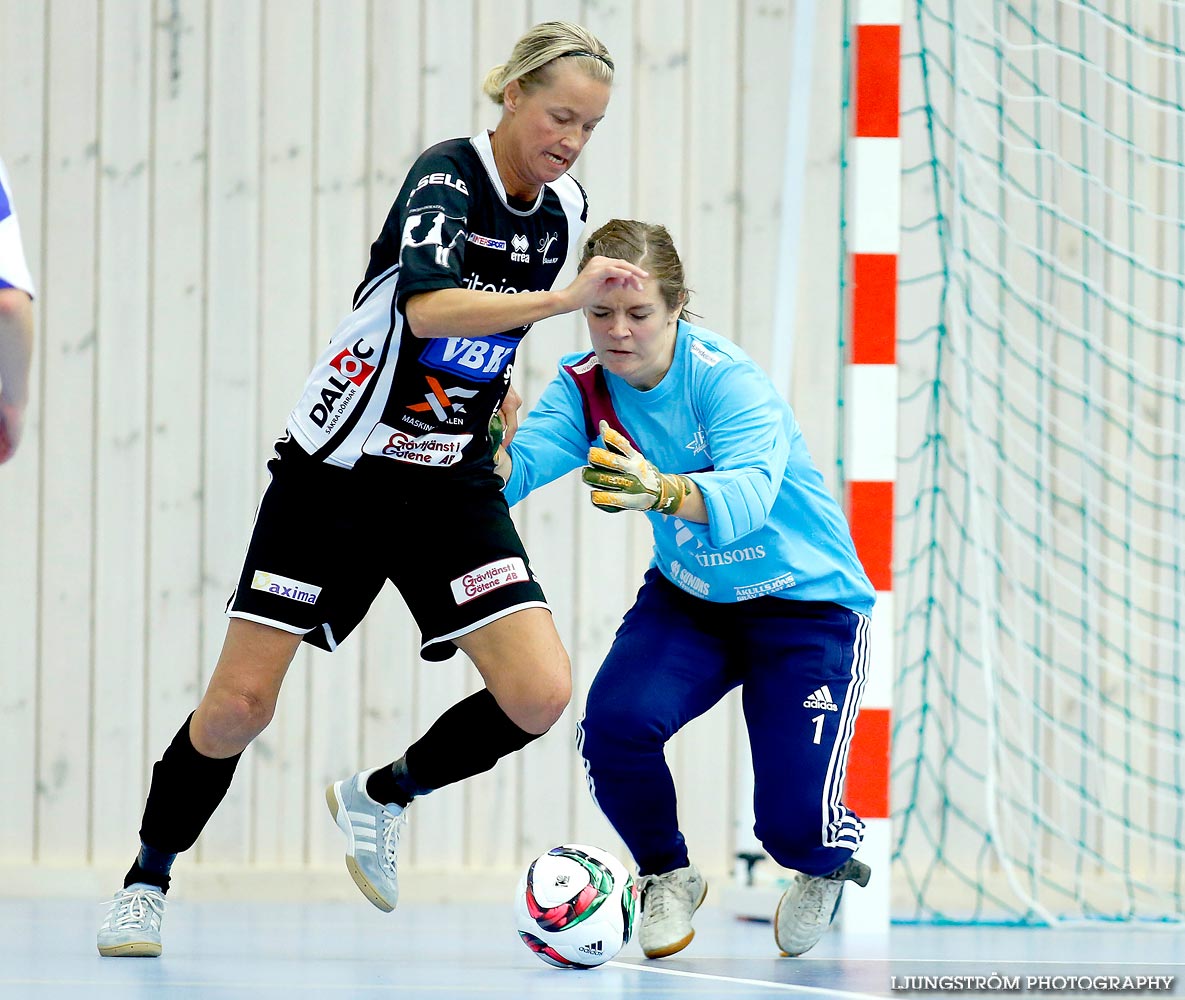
(622, 479)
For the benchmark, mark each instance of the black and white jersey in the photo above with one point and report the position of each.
(380, 394)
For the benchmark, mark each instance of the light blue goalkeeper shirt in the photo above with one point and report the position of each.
(773, 528)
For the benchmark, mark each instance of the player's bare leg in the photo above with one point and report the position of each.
(193, 775)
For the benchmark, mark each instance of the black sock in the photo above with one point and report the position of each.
(393, 785)
(151, 866)
(186, 789)
(138, 874)
(468, 739)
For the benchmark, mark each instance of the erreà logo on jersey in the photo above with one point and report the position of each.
(476, 359)
(338, 390)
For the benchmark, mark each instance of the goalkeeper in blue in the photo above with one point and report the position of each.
(754, 583)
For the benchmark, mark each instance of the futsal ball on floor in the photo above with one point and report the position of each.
(575, 906)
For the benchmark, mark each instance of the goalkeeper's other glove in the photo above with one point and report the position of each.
(622, 478)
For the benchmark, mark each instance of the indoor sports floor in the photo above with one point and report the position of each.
(266, 951)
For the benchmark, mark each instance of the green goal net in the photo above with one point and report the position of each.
(1038, 759)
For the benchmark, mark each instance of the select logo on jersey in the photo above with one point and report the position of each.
(477, 360)
(520, 246)
(428, 449)
(439, 178)
(442, 402)
(338, 392)
(821, 698)
(282, 586)
(486, 241)
(489, 577)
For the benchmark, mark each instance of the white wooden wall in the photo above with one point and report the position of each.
(198, 183)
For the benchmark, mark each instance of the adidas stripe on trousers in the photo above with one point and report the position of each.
(801, 666)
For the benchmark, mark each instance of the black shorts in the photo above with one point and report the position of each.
(326, 539)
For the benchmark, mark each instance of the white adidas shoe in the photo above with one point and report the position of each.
(372, 838)
(668, 902)
(131, 928)
(808, 906)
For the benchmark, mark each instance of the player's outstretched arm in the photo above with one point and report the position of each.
(466, 312)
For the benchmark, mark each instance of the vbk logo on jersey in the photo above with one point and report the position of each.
(478, 359)
(337, 393)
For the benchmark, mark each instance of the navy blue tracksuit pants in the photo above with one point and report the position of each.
(801, 666)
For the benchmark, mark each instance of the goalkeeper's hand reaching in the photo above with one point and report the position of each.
(497, 434)
(623, 479)
(503, 425)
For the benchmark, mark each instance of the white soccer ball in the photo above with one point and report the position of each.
(575, 906)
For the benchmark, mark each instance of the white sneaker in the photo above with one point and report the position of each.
(372, 838)
(132, 926)
(668, 901)
(808, 906)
